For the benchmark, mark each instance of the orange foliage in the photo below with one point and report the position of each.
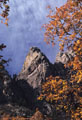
(4, 11)
(37, 116)
(13, 118)
(66, 26)
(65, 95)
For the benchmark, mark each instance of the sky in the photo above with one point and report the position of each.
(25, 20)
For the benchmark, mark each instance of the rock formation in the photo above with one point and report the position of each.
(64, 57)
(34, 72)
(36, 68)
(13, 111)
(24, 88)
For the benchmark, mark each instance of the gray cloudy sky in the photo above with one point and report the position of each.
(25, 20)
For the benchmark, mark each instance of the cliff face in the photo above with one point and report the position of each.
(36, 68)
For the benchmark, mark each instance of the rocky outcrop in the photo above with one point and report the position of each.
(64, 57)
(14, 110)
(36, 68)
(34, 72)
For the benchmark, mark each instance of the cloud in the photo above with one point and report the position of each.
(25, 20)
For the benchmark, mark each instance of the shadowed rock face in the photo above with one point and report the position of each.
(5, 90)
(36, 68)
(11, 91)
(14, 110)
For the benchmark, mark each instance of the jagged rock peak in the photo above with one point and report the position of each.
(36, 67)
(33, 49)
(64, 57)
(34, 55)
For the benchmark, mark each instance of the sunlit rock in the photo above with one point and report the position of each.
(36, 68)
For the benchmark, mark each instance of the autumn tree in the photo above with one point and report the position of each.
(65, 27)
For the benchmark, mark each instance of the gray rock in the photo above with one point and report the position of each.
(36, 68)
(14, 110)
(65, 57)
(34, 72)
